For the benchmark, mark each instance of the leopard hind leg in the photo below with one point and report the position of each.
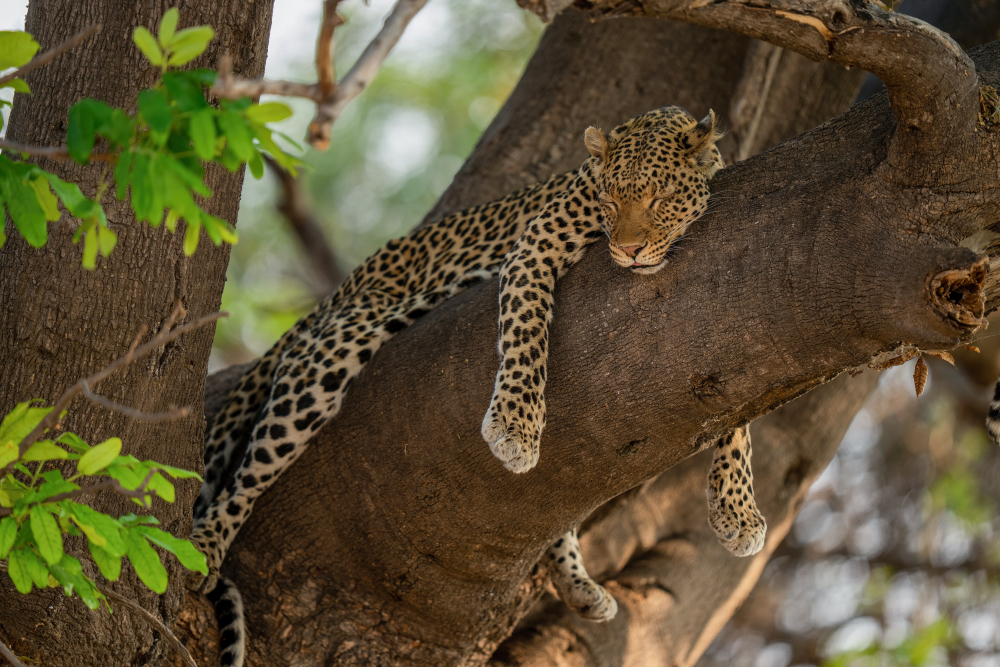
(732, 508)
(575, 587)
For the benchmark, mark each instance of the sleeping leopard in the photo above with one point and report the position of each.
(643, 185)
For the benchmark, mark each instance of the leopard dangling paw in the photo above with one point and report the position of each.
(514, 437)
(732, 509)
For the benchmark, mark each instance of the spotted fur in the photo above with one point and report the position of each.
(993, 418)
(732, 509)
(660, 161)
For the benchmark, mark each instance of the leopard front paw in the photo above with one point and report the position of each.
(741, 530)
(513, 434)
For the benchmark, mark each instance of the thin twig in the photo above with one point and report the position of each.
(138, 415)
(49, 55)
(230, 86)
(138, 492)
(51, 152)
(7, 653)
(325, 71)
(156, 623)
(162, 338)
(363, 71)
(300, 216)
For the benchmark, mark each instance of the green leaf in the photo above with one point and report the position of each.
(145, 561)
(191, 236)
(129, 478)
(84, 118)
(110, 566)
(256, 165)
(20, 421)
(74, 201)
(22, 204)
(45, 450)
(69, 573)
(47, 200)
(90, 249)
(16, 48)
(8, 531)
(218, 229)
(185, 91)
(155, 109)
(202, 130)
(92, 522)
(162, 487)
(19, 86)
(48, 538)
(117, 128)
(237, 133)
(147, 44)
(186, 552)
(269, 112)
(17, 569)
(168, 25)
(189, 44)
(74, 442)
(106, 240)
(36, 568)
(8, 452)
(176, 473)
(122, 174)
(100, 456)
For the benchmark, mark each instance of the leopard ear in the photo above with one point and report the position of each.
(596, 143)
(701, 138)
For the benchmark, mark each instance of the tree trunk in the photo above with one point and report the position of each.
(61, 322)
(333, 608)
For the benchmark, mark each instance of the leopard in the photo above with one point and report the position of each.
(299, 383)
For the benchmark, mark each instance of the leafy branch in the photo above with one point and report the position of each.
(38, 506)
(158, 154)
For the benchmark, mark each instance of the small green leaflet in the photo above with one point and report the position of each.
(147, 44)
(16, 48)
(145, 561)
(188, 44)
(269, 112)
(100, 456)
(185, 552)
(8, 531)
(45, 450)
(168, 25)
(48, 537)
(202, 131)
(17, 569)
(20, 421)
(110, 566)
(19, 86)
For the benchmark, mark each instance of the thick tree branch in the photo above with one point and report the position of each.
(932, 83)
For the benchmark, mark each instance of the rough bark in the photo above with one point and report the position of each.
(427, 550)
(60, 323)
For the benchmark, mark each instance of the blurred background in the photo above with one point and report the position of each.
(895, 557)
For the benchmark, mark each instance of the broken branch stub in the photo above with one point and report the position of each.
(958, 295)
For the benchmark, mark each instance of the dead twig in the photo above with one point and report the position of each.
(51, 152)
(331, 98)
(51, 54)
(138, 415)
(299, 214)
(165, 335)
(138, 492)
(325, 70)
(153, 621)
(7, 653)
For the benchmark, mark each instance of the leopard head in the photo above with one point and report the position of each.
(652, 182)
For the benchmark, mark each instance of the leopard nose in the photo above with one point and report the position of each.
(631, 250)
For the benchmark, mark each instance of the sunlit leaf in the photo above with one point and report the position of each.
(16, 48)
(45, 450)
(202, 129)
(47, 536)
(147, 44)
(99, 456)
(268, 112)
(8, 531)
(190, 43)
(145, 561)
(185, 552)
(168, 25)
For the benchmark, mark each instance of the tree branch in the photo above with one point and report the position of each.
(308, 230)
(60, 153)
(138, 492)
(153, 621)
(932, 83)
(164, 336)
(330, 99)
(11, 658)
(51, 54)
(138, 415)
